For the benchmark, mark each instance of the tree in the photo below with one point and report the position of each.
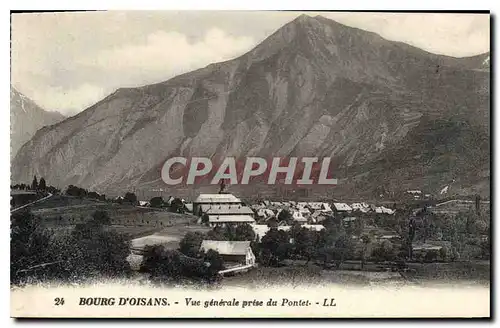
(130, 197)
(205, 219)
(305, 241)
(411, 236)
(101, 217)
(285, 216)
(92, 250)
(171, 264)
(359, 226)
(34, 184)
(190, 243)
(42, 185)
(325, 254)
(217, 233)
(442, 253)
(366, 240)
(28, 247)
(384, 252)
(244, 232)
(177, 205)
(343, 250)
(152, 262)
(76, 191)
(295, 230)
(156, 202)
(275, 246)
(272, 222)
(216, 263)
(93, 195)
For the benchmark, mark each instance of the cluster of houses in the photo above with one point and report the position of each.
(315, 212)
(222, 209)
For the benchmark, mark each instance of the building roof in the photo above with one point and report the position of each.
(314, 227)
(320, 213)
(304, 210)
(326, 207)
(427, 247)
(261, 229)
(383, 209)
(230, 218)
(297, 216)
(226, 247)
(315, 205)
(342, 207)
(217, 198)
(229, 209)
(265, 212)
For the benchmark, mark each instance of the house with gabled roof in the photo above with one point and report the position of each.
(234, 253)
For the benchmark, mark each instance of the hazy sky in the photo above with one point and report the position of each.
(69, 61)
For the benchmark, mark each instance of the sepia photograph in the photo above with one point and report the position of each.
(255, 164)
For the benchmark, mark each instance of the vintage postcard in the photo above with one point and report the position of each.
(251, 164)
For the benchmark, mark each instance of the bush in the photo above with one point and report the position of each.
(384, 252)
(86, 251)
(156, 202)
(28, 248)
(130, 197)
(275, 247)
(170, 264)
(190, 244)
(431, 256)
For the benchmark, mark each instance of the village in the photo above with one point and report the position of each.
(365, 223)
(232, 236)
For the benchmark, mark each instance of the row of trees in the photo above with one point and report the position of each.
(84, 193)
(40, 186)
(330, 245)
(463, 230)
(164, 264)
(175, 205)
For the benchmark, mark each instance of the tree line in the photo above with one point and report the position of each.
(37, 186)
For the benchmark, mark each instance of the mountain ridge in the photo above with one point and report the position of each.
(26, 118)
(311, 88)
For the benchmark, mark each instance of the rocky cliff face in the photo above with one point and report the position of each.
(26, 118)
(314, 87)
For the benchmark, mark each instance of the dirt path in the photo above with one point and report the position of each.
(36, 201)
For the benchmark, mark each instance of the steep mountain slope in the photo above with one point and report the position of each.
(26, 118)
(314, 87)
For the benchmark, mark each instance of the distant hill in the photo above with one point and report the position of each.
(26, 118)
(391, 115)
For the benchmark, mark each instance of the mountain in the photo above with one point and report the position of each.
(26, 118)
(388, 113)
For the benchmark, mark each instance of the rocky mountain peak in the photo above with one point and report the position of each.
(315, 87)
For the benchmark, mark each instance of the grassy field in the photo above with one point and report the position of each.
(311, 274)
(60, 213)
(477, 271)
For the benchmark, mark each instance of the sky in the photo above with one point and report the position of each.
(66, 62)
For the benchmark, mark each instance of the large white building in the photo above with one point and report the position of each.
(221, 215)
(206, 201)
